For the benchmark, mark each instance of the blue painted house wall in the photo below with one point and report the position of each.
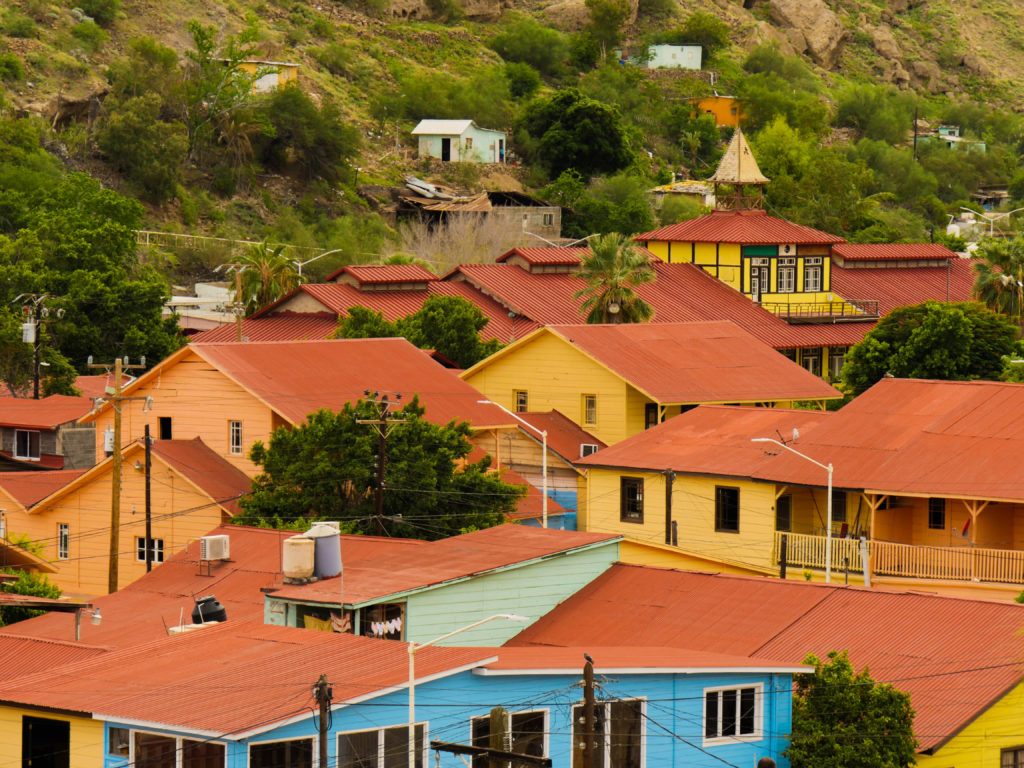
(672, 719)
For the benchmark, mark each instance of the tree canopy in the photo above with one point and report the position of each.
(843, 719)
(449, 325)
(999, 281)
(612, 270)
(956, 341)
(324, 469)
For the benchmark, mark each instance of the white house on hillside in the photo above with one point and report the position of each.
(459, 141)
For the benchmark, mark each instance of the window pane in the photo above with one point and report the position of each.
(480, 728)
(747, 711)
(118, 742)
(152, 751)
(358, 750)
(727, 509)
(624, 733)
(201, 754)
(396, 747)
(578, 735)
(728, 713)
(297, 753)
(711, 715)
(783, 513)
(528, 733)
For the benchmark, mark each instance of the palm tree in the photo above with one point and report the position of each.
(266, 275)
(612, 271)
(999, 281)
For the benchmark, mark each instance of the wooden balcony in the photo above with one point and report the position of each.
(886, 558)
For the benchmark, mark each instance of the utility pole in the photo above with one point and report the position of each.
(35, 312)
(588, 714)
(382, 424)
(116, 400)
(323, 692)
(149, 506)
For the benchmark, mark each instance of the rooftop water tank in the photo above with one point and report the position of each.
(327, 560)
(298, 557)
(208, 609)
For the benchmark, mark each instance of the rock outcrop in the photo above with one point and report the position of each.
(820, 30)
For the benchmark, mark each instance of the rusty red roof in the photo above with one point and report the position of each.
(221, 480)
(712, 439)
(676, 363)
(437, 562)
(549, 255)
(372, 274)
(746, 227)
(300, 377)
(232, 679)
(951, 675)
(893, 251)
(281, 326)
(27, 488)
(45, 413)
(894, 287)
(564, 435)
(93, 386)
(20, 656)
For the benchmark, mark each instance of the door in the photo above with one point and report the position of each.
(45, 743)
(446, 150)
(758, 282)
(501, 150)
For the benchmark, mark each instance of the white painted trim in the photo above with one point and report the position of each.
(649, 671)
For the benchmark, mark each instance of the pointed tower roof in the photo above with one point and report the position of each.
(738, 165)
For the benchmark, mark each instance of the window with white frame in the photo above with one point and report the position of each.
(522, 400)
(156, 547)
(786, 276)
(235, 438)
(836, 358)
(810, 359)
(589, 410)
(63, 540)
(526, 731)
(293, 753)
(26, 444)
(155, 750)
(618, 734)
(812, 274)
(377, 748)
(733, 713)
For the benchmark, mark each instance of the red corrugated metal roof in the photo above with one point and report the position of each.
(372, 274)
(300, 377)
(954, 656)
(20, 656)
(95, 385)
(900, 287)
(45, 413)
(29, 487)
(436, 562)
(893, 251)
(695, 362)
(217, 477)
(550, 255)
(746, 227)
(633, 658)
(282, 326)
(564, 435)
(232, 678)
(712, 439)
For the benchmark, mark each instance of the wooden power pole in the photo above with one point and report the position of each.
(588, 714)
(323, 693)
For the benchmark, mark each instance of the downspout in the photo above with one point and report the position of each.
(670, 477)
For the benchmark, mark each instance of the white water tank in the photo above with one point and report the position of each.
(327, 562)
(298, 557)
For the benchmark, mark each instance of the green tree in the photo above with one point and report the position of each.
(703, 29)
(612, 270)
(524, 41)
(573, 131)
(878, 112)
(31, 585)
(606, 20)
(363, 323)
(523, 80)
(999, 276)
(57, 376)
(324, 470)
(955, 342)
(845, 719)
(266, 275)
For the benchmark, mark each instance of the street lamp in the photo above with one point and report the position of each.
(559, 245)
(828, 526)
(992, 217)
(543, 459)
(300, 264)
(413, 647)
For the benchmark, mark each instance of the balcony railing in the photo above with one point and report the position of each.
(888, 558)
(849, 310)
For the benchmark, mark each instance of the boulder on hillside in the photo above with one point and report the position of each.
(819, 26)
(573, 15)
(884, 42)
(927, 75)
(974, 65)
(763, 32)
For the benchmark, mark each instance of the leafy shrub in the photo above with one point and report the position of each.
(584, 52)
(523, 80)
(103, 12)
(11, 69)
(90, 35)
(878, 112)
(656, 8)
(767, 57)
(17, 24)
(446, 10)
(700, 28)
(31, 584)
(528, 42)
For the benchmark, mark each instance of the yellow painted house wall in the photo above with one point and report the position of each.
(200, 400)
(979, 744)
(86, 737)
(567, 375)
(86, 510)
(725, 109)
(693, 509)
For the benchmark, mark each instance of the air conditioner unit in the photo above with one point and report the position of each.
(214, 547)
(587, 448)
(787, 250)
